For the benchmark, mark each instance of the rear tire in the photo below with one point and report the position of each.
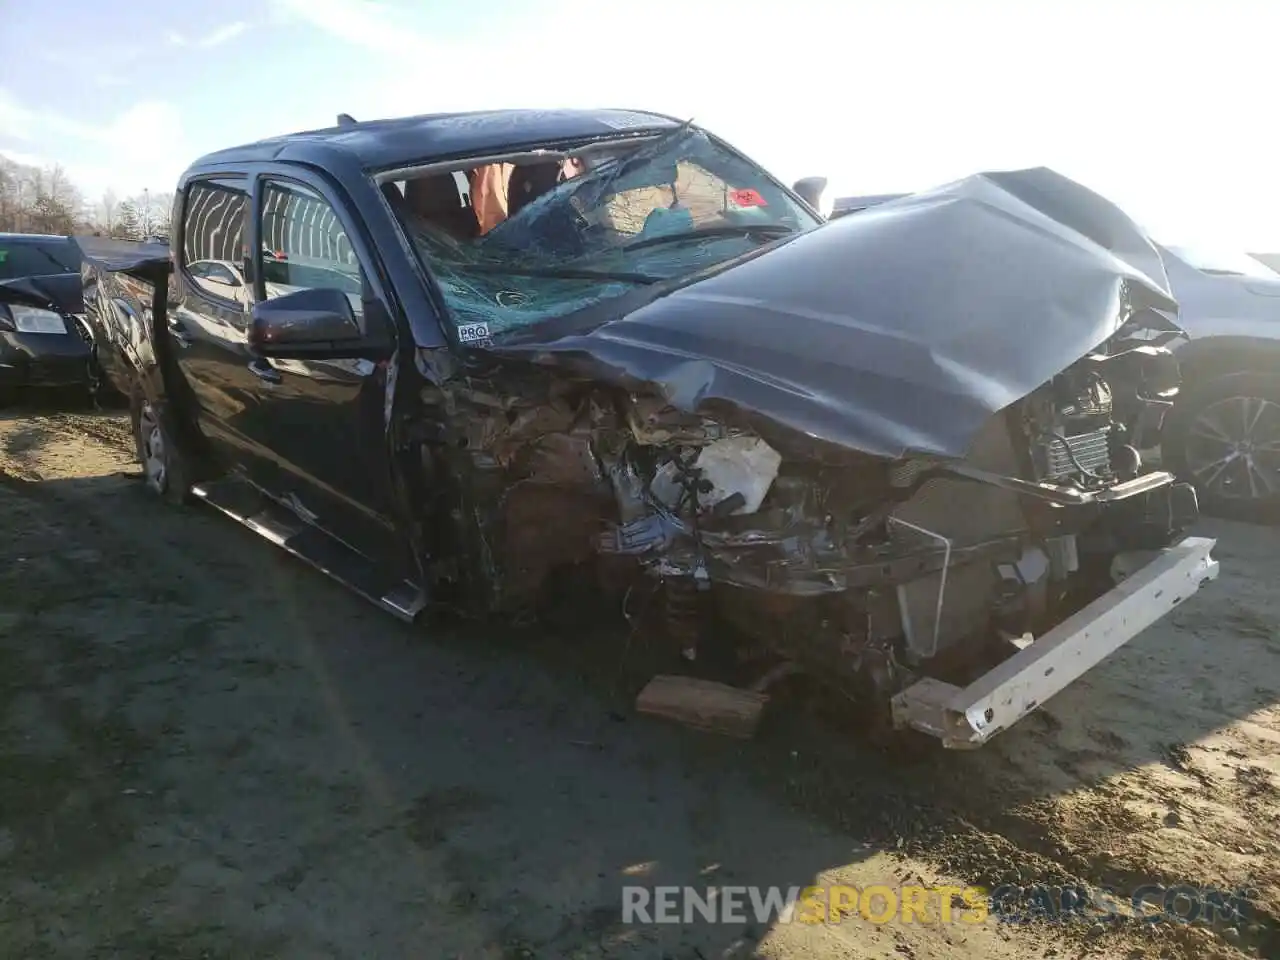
(1223, 436)
(165, 469)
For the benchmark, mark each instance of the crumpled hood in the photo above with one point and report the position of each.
(902, 329)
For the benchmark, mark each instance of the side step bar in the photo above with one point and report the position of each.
(969, 717)
(247, 506)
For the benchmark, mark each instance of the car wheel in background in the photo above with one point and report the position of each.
(101, 393)
(1223, 436)
(164, 468)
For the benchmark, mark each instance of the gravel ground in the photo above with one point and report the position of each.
(208, 750)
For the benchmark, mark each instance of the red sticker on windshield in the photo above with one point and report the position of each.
(746, 198)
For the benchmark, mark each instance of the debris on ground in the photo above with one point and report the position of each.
(704, 705)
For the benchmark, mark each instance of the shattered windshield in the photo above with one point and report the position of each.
(596, 227)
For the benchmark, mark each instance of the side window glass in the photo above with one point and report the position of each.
(213, 237)
(304, 246)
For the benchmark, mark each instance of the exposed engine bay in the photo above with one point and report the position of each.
(859, 569)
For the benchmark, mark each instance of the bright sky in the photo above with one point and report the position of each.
(1168, 108)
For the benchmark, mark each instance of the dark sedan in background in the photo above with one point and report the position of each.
(43, 339)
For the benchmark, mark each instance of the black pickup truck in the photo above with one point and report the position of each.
(866, 449)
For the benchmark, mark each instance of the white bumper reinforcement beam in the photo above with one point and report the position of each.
(963, 718)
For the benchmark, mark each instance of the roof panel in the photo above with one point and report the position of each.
(380, 144)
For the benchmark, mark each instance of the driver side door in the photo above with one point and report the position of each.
(324, 418)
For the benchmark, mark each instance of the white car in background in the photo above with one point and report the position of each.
(1223, 432)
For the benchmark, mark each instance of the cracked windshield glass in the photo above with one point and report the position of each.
(511, 245)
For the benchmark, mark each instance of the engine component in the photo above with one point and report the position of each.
(964, 513)
(904, 474)
(1058, 456)
(741, 465)
(1070, 425)
(740, 468)
(1064, 559)
(682, 601)
(1022, 594)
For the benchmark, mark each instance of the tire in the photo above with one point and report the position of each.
(165, 469)
(104, 396)
(1223, 436)
(103, 392)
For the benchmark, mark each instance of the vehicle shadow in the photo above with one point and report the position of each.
(28, 400)
(290, 771)
(369, 789)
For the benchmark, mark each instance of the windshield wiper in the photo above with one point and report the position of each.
(770, 230)
(563, 273)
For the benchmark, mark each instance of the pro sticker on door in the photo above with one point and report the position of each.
(473, 333)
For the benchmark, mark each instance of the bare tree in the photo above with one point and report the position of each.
(152, 210)
(17, 194)
(57, 203)
(108, 210)
(162, 203)
(129, 226)
(36, 200)
(8, 194)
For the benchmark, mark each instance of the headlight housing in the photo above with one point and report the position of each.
(32, 320)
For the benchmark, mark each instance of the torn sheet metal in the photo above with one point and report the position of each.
(901, 330)
(124, 284)
(145, 261)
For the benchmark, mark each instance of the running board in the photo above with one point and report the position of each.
(246, 505)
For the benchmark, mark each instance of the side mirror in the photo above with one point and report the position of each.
(810, 190)
(305, 323)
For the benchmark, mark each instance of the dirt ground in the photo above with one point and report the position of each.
(209, 750)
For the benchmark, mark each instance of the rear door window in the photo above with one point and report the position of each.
(213, 237)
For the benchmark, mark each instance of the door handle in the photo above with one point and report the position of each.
(179, 333)
(265, 372)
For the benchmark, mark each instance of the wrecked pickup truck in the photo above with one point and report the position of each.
(891, 451)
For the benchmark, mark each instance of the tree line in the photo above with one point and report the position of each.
(45, 200)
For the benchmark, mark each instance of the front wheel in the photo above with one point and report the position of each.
(164, 468)
(1223, 436)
